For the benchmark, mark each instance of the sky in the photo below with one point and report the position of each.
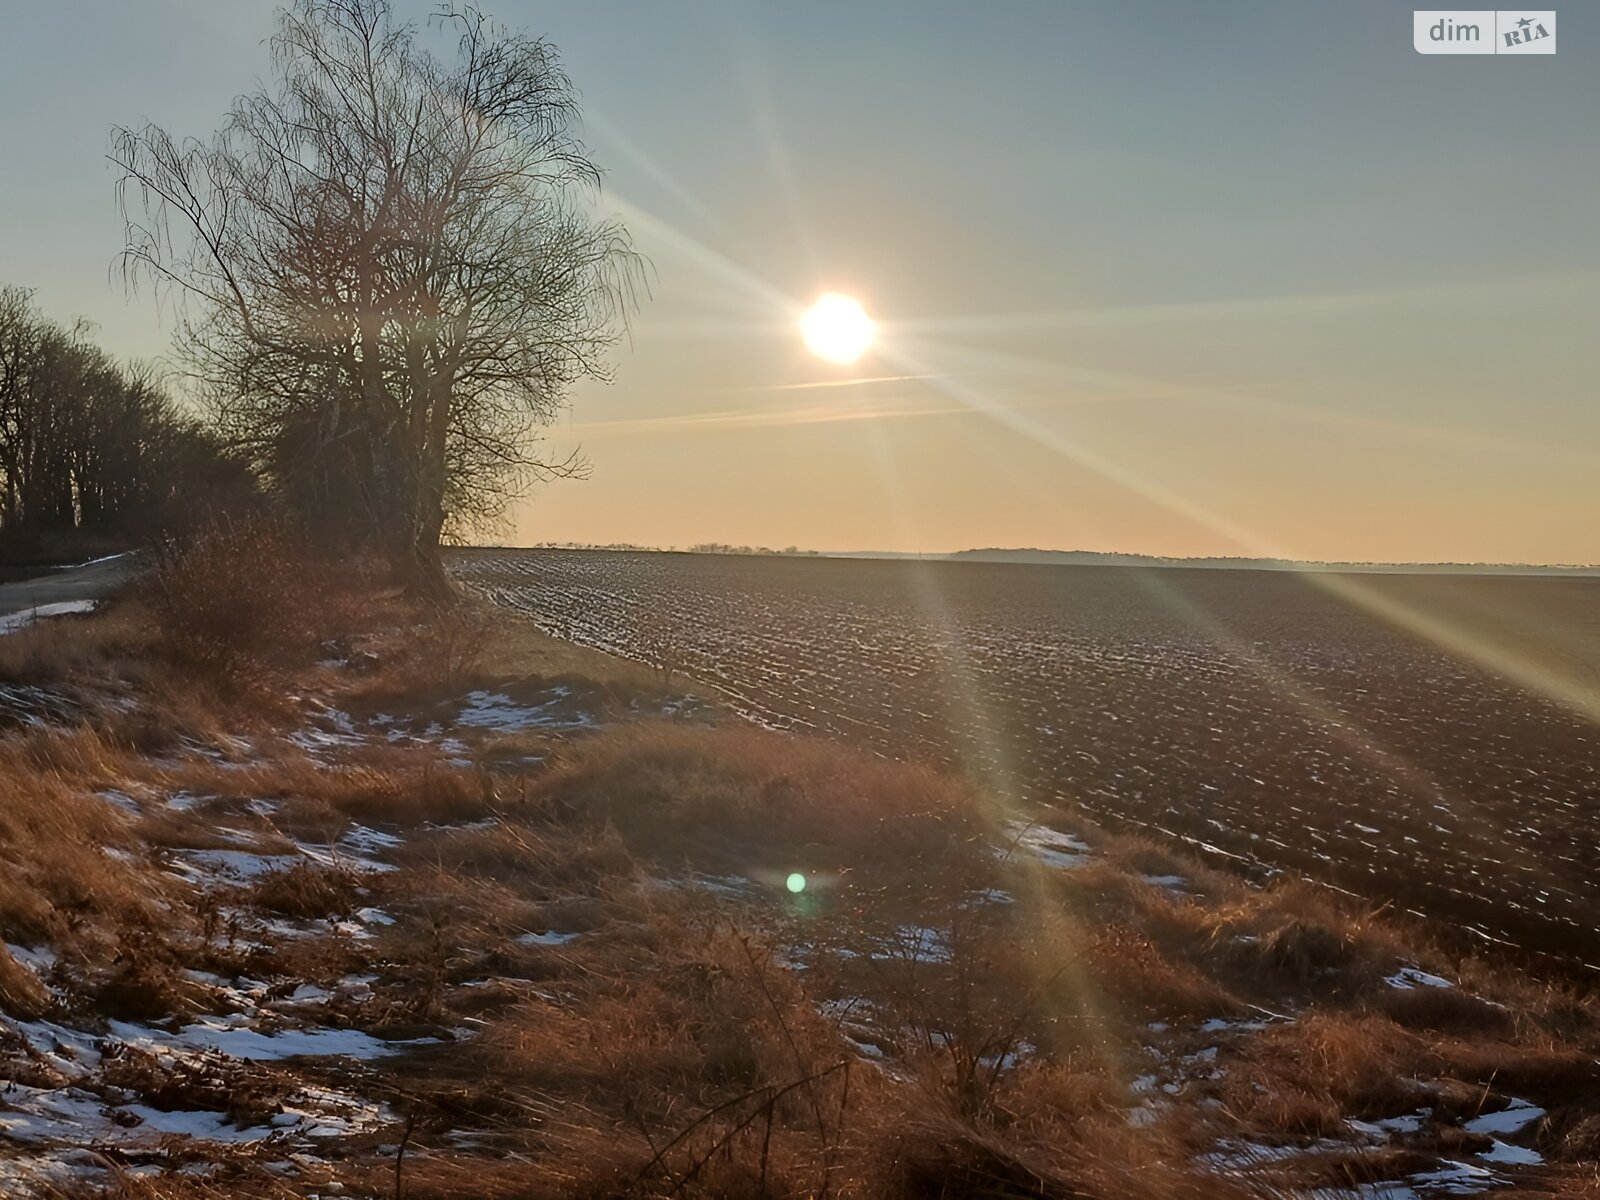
(1162, 278)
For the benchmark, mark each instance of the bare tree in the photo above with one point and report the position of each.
(391, 269)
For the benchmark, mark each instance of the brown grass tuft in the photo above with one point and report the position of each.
(22, 993)
(146, 987)
(1446, 1010)
(714, 796)
(307, 892)
(1150, 985)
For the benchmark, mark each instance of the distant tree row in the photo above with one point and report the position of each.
(92, 454)
(697, 548)
(725, 548)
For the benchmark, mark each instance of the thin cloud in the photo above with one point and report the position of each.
(834, 383)
(766, 418)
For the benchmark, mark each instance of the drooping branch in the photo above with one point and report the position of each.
(389, 265)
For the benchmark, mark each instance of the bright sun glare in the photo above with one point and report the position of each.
(838, 329)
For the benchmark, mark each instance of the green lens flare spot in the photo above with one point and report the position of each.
(796, 882)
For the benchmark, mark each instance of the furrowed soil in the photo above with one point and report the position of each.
(1428, 741)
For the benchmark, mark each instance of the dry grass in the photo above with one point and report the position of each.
(307, 892)
(1447, 1011)
(97, 650)
(146, 984)
(1151, 986)
(378, 782)
(739, 797)
(627, 1001)
(22, 993)
(512, 647)
(472, 643)
(62, 879)
(1359, 1062)
(595, 1084)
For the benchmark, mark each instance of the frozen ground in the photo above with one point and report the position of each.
(11, 622)
(294, 1030)
(1251, 714)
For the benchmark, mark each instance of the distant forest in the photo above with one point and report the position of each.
(94, 456)
(1097, 558)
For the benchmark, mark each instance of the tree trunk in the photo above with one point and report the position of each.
(423, 571)
(426, 474)
(426, 510)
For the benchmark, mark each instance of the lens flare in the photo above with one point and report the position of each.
(796, 882)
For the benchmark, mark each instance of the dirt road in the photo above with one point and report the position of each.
(92, 581)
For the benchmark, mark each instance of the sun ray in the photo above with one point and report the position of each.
(1256, 397)
(1570, 694)
(1089, 316)
(809, 385)
(903, 352)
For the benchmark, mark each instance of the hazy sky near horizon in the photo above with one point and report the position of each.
(1156, 277)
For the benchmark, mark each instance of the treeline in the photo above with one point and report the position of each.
(697, 548)
(725, 548)
(94, 455)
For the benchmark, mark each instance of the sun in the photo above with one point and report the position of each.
(837, 328)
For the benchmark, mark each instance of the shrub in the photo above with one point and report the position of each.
(243, 598)
(450, 644)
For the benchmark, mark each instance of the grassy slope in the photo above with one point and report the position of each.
(575, 970)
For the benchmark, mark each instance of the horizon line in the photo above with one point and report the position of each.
(1113, 557)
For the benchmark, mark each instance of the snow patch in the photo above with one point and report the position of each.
(1454, 1178)
(548, 938)
(1051, 846)
(238, 1039)
(918, 943)
(1173, 883)
(499, 712)
(1388, 1126)
(1411, 977)
(120, 799)
(227, 868)
(1505, 1152)
(1510, 1120)
(12, 622)
(40, 1116)
(37, 960)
